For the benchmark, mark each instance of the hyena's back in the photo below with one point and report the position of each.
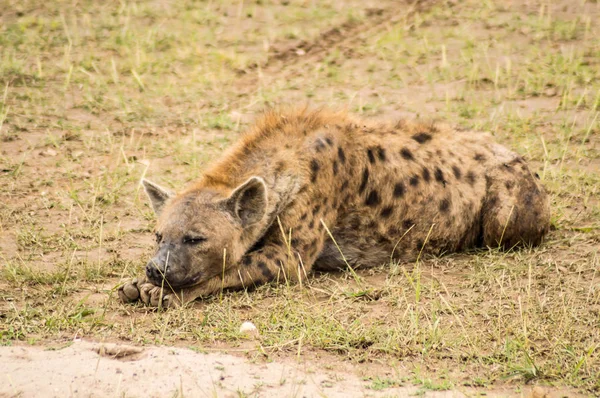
(410, 187)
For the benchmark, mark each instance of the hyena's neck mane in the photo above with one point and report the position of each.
(274, 137)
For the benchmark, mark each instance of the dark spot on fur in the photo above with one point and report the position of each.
(247, 260)
(365, 180)
(269, 255)
(382, 239)
(399, 190)
(373, 199)
(414, 181)
(445, 205)
(262, 266)
(426, 175)
(492, 201)
(341, 155)
(314, 170)
(295, 242)
(335, 167)
(258, 245)
(319, 145)
(279, 167)
(381, 153)
(393, 231)
(408, 223)
(371, 156)
(471, 178)
(329, 141)
(509, 185)
(536, 175)
(421, 138)
(420, 244)
(387, 211)
(439, 176)
(372, 224)
(316, 209)
(303, 216)
(407, 154)
(479, 157)
(344, 185)
(311, 224)
(528, 199)
(457, 172)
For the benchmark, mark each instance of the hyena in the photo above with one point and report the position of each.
(305, 190)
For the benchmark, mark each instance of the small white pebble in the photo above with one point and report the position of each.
(249, 329)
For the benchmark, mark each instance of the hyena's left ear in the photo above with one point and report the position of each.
(157, 194)
(248, 202)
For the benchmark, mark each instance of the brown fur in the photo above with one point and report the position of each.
(383, 190)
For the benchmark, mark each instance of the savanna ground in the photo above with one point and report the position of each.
(95, 95)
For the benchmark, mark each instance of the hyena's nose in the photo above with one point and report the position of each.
(153, 272)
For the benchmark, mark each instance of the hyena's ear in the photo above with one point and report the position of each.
(248, 202)
(157, 194)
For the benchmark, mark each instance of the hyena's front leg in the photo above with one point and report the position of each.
(271, 264)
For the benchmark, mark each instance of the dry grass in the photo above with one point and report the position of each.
(95, 96)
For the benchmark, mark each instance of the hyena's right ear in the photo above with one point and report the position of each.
(248, 202)
(157, 194)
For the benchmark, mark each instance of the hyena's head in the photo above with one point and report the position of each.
(201, 232)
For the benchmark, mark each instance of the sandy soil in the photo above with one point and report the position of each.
(86, 369)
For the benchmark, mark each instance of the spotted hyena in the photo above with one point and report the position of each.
(306, 190)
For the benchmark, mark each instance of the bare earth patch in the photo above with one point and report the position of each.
(84, 369)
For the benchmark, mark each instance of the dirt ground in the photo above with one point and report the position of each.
(85, 369)
(96, 95)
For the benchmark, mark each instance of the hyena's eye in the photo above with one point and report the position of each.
(158, 237)
(193, 240)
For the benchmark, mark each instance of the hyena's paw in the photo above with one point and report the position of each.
(130, 291)
(155, 296)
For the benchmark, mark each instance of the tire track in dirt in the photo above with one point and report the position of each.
(292, 61)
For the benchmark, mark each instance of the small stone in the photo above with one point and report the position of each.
(539, 392)
(551, 92)
(49, 152)
(249, 329)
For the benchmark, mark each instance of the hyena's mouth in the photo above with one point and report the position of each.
(187, 282)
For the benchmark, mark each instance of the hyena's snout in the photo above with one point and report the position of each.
(158, 267)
